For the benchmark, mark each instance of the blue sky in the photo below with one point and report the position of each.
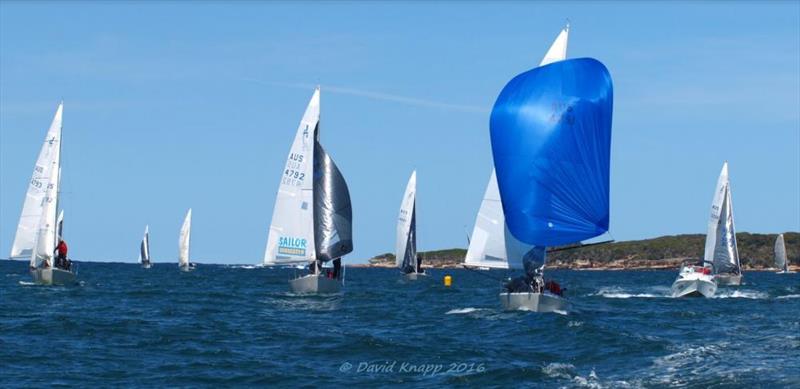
(194, 104)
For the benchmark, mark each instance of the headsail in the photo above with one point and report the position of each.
(721, 249)
(492, 245)
(406, 243)
(291, 232)
(144, 247)
(183, 243)
(551, 142)
(45, 173)
(333, 213)
(780, 254)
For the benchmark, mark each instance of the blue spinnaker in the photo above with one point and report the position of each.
(551, 141)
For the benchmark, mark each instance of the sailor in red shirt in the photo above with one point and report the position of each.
(61, 252)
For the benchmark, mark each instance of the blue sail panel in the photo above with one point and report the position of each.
(551, 142)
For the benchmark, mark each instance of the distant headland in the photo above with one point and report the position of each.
(665, 252)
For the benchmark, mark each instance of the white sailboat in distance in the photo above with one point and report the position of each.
(312, 219)
(781, 261)
(38, 230)
(144, 249)
(406, 257)
(183, 243)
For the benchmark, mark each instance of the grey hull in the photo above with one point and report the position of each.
(52, 276)
(728, 279)
(315, 284)
(693, 288)
(534, 302)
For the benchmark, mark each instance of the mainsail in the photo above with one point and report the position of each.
(333, 213)
(144, 247)
(780, 254)
(291, 232)
(42, 191)
(183, 241)
(721, 249)
(406, 244)
(551, 143)
(60, 223)
(491, 244)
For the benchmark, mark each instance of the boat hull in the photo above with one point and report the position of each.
(413, 276)
(51, 276)
(534, 302)
(146, 265)
(728, 279)
(694, 288)
(315, 284)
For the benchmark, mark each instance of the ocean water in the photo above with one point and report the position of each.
(238, 326)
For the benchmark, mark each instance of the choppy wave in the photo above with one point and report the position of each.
(620, 293)
(460, 311)
(745, 294)
(789, 296)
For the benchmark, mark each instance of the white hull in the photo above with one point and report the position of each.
(728, 279)
(694, 288)
(413, 276)
(785, 272)
(315, 284)
(52, 276)
(534, 302)
(146, 265)
(188, 267)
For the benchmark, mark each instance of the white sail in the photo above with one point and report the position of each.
(60, 223)
(291, 232)
(183, 242)
(45, 172)
(491, 244)
(780, 254)
(144, 248)
(721, 247)
(404, 219)
(46, 235)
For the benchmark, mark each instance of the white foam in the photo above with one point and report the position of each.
(559, 370)
(459, 311)
(746, 294)
(619, 293)
(789, 296)
(26, 283)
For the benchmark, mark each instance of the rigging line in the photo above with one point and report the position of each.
(578, 246)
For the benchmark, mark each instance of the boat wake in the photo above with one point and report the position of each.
(789, 296)
(746, 294)
(27, 283)
(619, 293)
(461, 311)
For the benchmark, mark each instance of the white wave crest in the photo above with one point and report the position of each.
(619, 293)
(460, 311)
(746, 294)
(559, 370)
(789, 296)
(26, 283)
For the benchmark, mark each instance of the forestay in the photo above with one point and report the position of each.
(291, 231)
(406, 238)
(551, 143)
(45, 174)
(491, 244)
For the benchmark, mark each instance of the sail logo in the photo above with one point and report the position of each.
(292, 246)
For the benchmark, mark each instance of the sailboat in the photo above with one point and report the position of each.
(551, 143)
(183, 243)
(39, 227)
(144, 249)
(406, 243)
(312, 217)
(781, 262)
(721, 249)
(491, 244)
